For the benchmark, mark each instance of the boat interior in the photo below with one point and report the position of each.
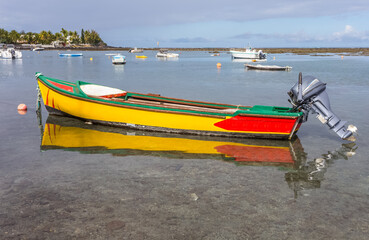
(155, 100)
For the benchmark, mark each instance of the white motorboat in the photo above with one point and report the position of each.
(268, 67)
(164, 53)
(10, 52)
(118, 59)
(248, 53)
(136, 50)
(38, 49)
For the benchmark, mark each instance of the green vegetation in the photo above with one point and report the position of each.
(47, 37)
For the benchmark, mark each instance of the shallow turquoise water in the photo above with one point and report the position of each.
(164, 194)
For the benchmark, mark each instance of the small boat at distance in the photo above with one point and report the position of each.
(152, 112)
(9, 52)
(141, 56)
(70, 54)
(247, 53)
(118, 59)
(165, 54)
(135, 50)
(268, 67)
(37, 49)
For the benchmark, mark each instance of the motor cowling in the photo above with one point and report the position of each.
(309, 94)
(261, 54)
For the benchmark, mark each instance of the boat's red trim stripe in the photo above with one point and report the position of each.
(47, 97)
(257, 124)
(62, 86)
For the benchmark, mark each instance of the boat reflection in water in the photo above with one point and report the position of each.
(74, 135)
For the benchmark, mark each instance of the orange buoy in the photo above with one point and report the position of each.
(22, 107)
(219, 65)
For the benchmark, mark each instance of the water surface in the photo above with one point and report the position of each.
(63, 179)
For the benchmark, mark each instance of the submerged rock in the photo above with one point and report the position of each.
(115, 225)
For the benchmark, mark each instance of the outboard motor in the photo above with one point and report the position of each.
(12, 52)
(309, 95)
(261, 54)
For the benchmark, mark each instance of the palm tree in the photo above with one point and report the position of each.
(92, 37)
(14, 36)
(50, 37)
(3, 35)
(43, 37)
(82, 36)
(58, 36)
(65, 34)
(74, 38)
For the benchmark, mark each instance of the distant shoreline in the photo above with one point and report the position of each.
(298, 51)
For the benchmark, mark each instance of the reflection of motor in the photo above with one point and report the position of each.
(310, 174)
(309, 94)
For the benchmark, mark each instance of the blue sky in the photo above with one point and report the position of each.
(200, 23)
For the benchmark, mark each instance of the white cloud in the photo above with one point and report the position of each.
(349, 33)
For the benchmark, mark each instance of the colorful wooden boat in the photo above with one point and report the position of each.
(74, 135)
(111, 106)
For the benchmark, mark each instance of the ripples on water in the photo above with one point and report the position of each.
(61, 178)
